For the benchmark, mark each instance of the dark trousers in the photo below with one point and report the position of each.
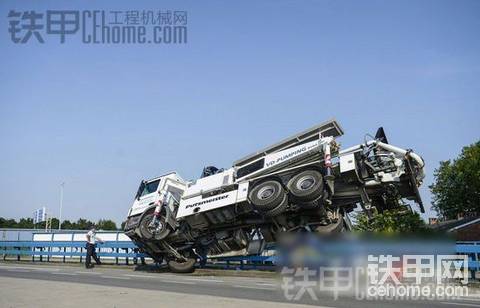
(91, 253)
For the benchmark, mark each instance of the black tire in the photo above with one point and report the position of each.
(183, 266)
(279, 209)
(306, 185)
(267, 195)
(336, 227)
(149, 234)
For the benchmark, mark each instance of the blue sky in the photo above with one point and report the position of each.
(103, 117)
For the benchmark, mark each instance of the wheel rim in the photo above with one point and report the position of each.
(158, 229)
(306, 182)
(145, 229)
(149, 231)
(266, 192)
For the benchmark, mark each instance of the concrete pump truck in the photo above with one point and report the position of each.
(303, 183)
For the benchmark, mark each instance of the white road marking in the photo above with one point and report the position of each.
(140, 276)
(459, 304)
(162, 278)
(175, 281)
(18, 270)
(89, 273)
(253, 287)
(115, 277)
(66, 274)
(47, 269)
(267, 284)
(202, 279)
(30, 268)
(469, 298)
(246, 280)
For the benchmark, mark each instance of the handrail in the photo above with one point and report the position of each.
(75, 249)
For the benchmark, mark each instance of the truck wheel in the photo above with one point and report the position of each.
(336, 227)
(267, 195)
(151, 233)
(183, 266)
(279, 209)
(306, 185)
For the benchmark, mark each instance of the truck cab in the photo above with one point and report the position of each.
(152, 191)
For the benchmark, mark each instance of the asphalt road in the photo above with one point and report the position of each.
(254, 289)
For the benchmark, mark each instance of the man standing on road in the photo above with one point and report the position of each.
(92, 239)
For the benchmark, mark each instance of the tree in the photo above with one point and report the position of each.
(7, 223)
(456, 187)
(80, 224)
(54, 223)
(83, 224)
(106, 224)
(398, 220)
(67, 225)
(25, 223)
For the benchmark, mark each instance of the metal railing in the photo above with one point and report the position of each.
(70, 246)
(472, 249)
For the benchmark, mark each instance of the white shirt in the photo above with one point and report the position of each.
(91, 237)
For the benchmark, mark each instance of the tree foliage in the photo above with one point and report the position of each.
(80, 224)
(392, 221)
(106, 224)
(456, 187)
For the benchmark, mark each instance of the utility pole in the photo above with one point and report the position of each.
(61, 206)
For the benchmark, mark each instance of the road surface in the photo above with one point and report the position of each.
(38, 285)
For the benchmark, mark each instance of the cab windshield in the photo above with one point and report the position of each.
(147, 188)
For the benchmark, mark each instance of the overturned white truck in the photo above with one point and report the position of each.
(303, 183)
